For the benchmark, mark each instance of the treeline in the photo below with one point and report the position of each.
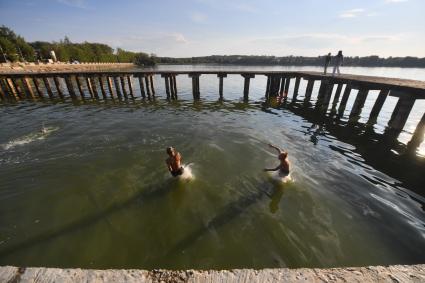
(368, 61)
(14, 48)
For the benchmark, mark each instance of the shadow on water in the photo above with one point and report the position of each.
(88, 221)
(381, 151)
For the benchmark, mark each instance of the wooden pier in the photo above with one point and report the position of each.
(90, 85)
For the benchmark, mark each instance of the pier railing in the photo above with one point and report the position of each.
(120, 85)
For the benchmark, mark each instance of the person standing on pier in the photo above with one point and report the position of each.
(174, 162)
(339, 60)
(327, 62)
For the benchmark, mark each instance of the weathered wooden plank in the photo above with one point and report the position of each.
(70, 87)
(102, 86)
(130, 86)
(167, 86)
(79, 86)
(268, 86)
(142, 87)
(124, 91)
(174, 86)
(152, 85)
(110, 88)
(38, 87)
(117, 87)
(27, 86)
(418, 136)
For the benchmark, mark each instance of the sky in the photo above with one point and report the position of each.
(186, 28)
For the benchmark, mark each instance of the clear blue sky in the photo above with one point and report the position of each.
(204, 27)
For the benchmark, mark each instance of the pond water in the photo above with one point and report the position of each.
(93, 191)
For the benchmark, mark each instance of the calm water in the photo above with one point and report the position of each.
(93, 191)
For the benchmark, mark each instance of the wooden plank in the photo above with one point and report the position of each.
(282, 85)
(418, 136)
(167, 86)
(148, 91)
(18, 89)
(152, 86)
(268, 86)
(174, 86)
(287, 83)
(12, 89)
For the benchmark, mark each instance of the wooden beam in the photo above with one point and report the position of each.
(167, 86)
(309, 90)
(358, 105)
(94, 86)
(247, 78)
(117, 87)
(12, 89)
(287, 83)
(152, 86)
(70, 86)
(282, 85)
(147, 86)
(27, 85)
(37, 87)
(296, 88)
(89, 86)
(221, 76)
(268, 86)
(79, 86)
(102, 86)
(373, 117)
(110, 88)
(344, 100)
(401, 112)
(48, 86)
(174, 86)
(58, 86)
(124, 91)
(336, 97)
(142, 87)
(418, 136)
(130, 86)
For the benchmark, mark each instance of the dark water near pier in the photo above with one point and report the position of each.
(93, 191)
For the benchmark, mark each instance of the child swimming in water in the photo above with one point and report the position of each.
(284, 165)
(174, 162)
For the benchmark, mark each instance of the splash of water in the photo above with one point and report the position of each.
(41, 135)
(281, 178)
(187, 172)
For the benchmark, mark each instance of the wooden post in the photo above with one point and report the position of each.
(124, 91)
(358, 105)
(48, 86)
(18, 88)
(142, 87)
(288, 81)
(3, 88)
(37, 87)
(27, 85)
(247, 77)
(110, 88)
(147, 86)
(2, 91)
(167, 84)
(94, 86)
(195, 85)
(89, 86)
(377, 107)
(327, 96)
(58, 86)
(70, 86)
(117, 87)
(401, 112)
(102, 86)
(336, 97)
(220, 84)
(268, 86)
(174, 86)
(12, 89)
(151, 83)
(344, 100)
(418, 136)
(309, 90)
(296, 88)
(80, 88)
(130, 86)
(282, 85)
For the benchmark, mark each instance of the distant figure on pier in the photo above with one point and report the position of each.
(283, 167)
(339, 60)
(174, 162)
(327, 62)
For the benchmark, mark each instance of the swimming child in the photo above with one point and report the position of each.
(174, 162)
(284, 165)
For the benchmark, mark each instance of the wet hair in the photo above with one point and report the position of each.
(283, 155)
(170, 150)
